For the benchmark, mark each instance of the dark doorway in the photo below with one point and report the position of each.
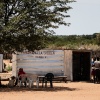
(81, 66)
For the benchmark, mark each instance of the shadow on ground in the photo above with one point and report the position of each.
(4, 88)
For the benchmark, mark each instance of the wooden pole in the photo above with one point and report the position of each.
(0, 81)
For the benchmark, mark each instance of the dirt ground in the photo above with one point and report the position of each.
(61, 91)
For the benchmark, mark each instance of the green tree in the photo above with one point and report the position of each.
(98, 38)
(26, 24)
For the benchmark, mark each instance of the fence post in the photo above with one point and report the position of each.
(0, 81)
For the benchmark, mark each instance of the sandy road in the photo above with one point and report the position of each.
(61, 91)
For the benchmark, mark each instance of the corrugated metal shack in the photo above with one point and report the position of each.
(76, 64)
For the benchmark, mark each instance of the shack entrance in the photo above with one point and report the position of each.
(81, 66)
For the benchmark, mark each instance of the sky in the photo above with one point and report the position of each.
(84, 18)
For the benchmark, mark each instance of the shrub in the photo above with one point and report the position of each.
(9, 68)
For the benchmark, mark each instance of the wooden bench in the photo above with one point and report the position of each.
(56, 78)
(6, 79)
(60, 78)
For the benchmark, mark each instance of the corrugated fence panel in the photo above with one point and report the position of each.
(42, 62)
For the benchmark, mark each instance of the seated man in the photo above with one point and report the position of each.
(49, 77)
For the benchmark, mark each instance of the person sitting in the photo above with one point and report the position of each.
(21, 74)
(49, 77)
(12, 80)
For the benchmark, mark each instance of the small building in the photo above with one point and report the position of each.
(76, 64)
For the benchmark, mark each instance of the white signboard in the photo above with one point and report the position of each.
(41, 62)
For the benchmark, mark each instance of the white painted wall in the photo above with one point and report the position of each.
(68, 64)
(14, 65)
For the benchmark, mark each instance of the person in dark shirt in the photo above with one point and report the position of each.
(49, 77)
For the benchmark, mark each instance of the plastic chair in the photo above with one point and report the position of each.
(22, 80)
(32, 78)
